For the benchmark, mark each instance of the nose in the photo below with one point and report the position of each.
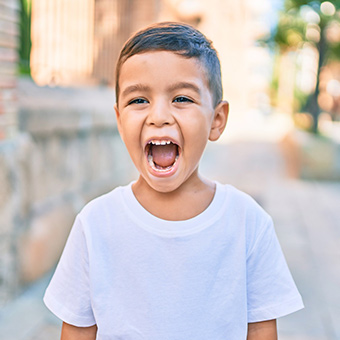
(160, 114)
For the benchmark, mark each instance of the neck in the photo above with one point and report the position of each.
(186, 202)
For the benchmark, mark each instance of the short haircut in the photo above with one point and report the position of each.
(181, 39)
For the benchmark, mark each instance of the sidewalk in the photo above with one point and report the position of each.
(307, 220)
(27, 318)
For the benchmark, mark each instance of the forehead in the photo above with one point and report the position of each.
(161, 65)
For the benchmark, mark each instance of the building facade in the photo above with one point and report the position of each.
(76, 43)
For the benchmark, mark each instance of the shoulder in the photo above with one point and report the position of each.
(103, 205)
(244, 215)
(240, 203)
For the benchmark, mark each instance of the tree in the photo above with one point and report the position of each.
(304, 21)
(25, 36)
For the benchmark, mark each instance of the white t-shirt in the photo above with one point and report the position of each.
(140, 277)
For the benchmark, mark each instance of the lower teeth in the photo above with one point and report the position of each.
(157, 168)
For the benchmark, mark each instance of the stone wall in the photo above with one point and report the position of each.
(67, 152)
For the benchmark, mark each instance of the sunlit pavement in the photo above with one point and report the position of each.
(307, 220)
(306, 216)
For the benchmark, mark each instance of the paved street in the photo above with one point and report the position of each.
(307, 219)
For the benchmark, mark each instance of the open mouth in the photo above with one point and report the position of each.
(162, 155)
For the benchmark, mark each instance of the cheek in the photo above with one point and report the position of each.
(200, 129)
(130, 126)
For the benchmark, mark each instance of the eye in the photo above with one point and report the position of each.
(138, 101)
(182, 99)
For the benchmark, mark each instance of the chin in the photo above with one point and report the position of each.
(163, 185)
(164, 189)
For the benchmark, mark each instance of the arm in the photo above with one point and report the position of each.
(69, 332)
(265, 330)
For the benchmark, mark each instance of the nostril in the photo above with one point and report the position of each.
(160, 115)
(159, 121)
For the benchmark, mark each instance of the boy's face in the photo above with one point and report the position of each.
(165, 116)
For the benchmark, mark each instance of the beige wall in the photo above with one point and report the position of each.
(77, 42)
(62, 41)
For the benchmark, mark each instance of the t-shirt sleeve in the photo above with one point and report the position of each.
(271, 291)
(68, 294)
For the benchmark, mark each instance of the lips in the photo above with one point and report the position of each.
(162, 154)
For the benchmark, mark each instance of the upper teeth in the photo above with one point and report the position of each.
(160, 142)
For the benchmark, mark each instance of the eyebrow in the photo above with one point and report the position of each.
(185, 85)
(135, 88)
(177, 86)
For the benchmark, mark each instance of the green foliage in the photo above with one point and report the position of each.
(297, 4)
(290, 32)
(25, 37)
(334, 52)
(299, 15)
(301, 99)
(308, 21)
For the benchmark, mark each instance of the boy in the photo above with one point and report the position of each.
(173, 255)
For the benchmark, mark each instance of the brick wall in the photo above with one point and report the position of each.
(9, 38)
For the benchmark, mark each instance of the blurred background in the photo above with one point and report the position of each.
(59, 146)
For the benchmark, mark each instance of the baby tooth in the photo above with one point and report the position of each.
(163, 142)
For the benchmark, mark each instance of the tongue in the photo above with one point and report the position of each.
(164, 155)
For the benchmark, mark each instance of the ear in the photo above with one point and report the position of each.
(219, 121)
(118, 120)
